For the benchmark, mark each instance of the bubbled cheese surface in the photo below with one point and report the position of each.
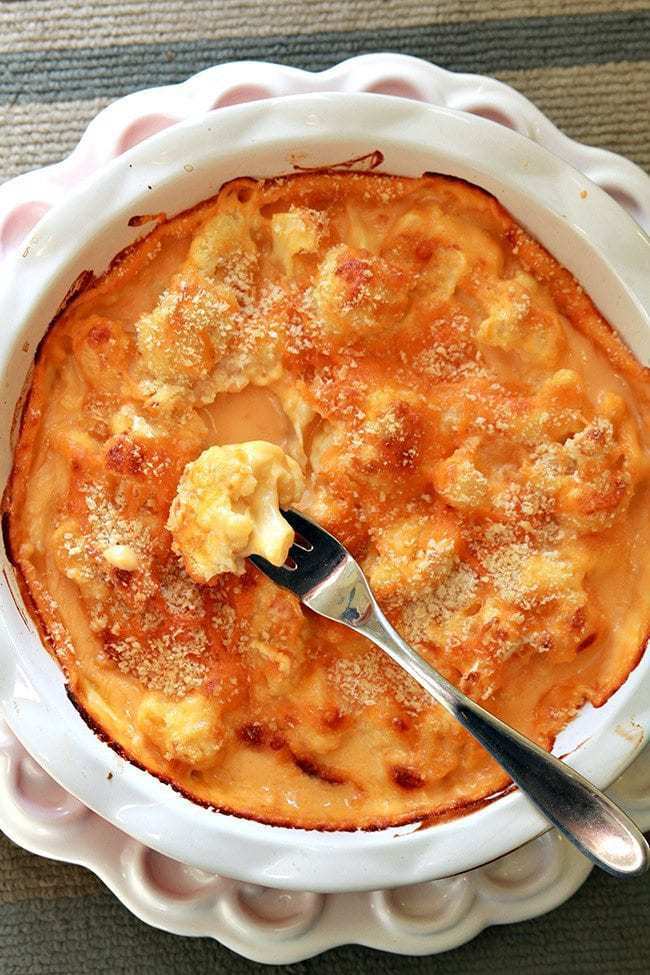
(401, 361)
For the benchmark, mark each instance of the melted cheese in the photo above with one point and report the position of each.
(458, 413)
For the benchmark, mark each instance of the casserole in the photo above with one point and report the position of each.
(182, 166)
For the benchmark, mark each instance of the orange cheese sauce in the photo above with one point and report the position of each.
(467, 424)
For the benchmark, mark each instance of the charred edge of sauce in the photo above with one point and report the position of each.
(33, 612)
(83, 281)
(316, 771)
(602, 336)
(252, 733)
(460, 809)
(366, 162)
(139, 219)
(11, 592)
(406, 778)
(125, 457)
(48, 641)
(25, 593)
(632, 366)
(6, 537)
(87, 279)
(20, 407)
(17, 422)
(80, 283)
(587, 642)
(423, 820)
(571, 751)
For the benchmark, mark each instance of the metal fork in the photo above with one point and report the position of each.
(329, 581)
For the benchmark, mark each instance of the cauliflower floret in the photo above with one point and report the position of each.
(358, 293)
(430, 239)
(528, 578)
(197, 337)
(519, 322)
(561, 407)
(103, 352)
(297, 231)
(544, 575)
(440, 278)
(438, 265)
(458, 480)
(591, 475)
(224, 248)
(413, 556)
(187, 331)
(227, 507)
(183, 730)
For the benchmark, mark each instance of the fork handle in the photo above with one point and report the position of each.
(588, 819)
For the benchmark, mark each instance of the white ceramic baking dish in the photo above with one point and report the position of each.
(583, 227)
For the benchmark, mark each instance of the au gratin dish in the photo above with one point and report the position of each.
(401, 361)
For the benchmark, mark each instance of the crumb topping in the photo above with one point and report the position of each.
(452, 407)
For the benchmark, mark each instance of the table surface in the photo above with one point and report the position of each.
(586, 63)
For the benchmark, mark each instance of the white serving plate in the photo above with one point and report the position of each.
(281, 927)
(94, 193)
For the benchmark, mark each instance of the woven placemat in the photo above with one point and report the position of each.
(586, 63)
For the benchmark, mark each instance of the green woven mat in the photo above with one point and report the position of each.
(586, 63)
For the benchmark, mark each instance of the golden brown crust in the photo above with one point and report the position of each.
(467, 423)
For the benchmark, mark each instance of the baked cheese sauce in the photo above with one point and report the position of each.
(464, 421)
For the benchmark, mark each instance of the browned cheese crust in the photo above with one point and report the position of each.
(466, 423)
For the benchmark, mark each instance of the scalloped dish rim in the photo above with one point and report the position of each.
(178, 163)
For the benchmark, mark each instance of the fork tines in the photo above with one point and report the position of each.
(313, 555)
